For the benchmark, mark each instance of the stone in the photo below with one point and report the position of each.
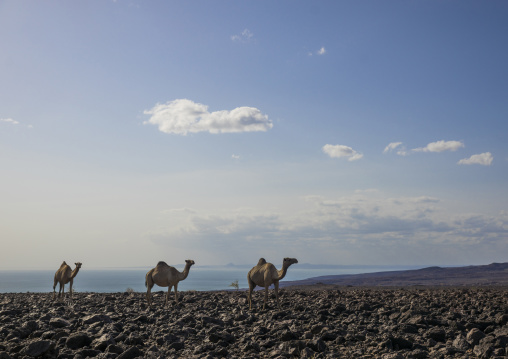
(103, 342)
(78, 340)
(474, 336)
(37, 348)
(131, 353)
(59, 323)
(90, 319)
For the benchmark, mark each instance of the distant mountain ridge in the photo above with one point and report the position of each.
(494, 274)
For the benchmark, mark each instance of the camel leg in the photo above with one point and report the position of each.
(252, 285)
(251, 289)
(149, 285)
(61, 292)
(276, 285)
(266, 297)
(70, 287)
(149, 294)
(167, 296)
(176, 293)
(54, 288)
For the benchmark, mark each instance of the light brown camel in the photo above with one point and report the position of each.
(265, 274)
(166, 276)
(65, 275)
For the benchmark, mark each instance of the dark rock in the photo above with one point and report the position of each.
(399, 343)
(419, 354)
(317, 345)
(88, 353)
(460, 343)
(177, 345)
(131, 353)
(288, 335)
(438, 334)
(103, 342)
(484, 348)
(474, 336)
(112, 348)
(90, 319)
(59, 323)
(37, 348)
(78, 340)
(502, 319)
(135, 339)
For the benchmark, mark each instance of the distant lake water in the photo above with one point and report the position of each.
(201, 278)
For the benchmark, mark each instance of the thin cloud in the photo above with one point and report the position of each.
(391, 146)
(484, 159)
(182, 116)
(235, 157)
(245, 36)
(320, 52)
(394, 145)
(353, 223)
(440, 146)
(338, 151)
(9, 120)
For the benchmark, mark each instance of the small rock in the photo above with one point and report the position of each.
(131, 353)
(460, 343)
(59, 323)
(96, 318)
(103, 342)
(37, 348)
(474, 336)
(438, 334)
(78, 340)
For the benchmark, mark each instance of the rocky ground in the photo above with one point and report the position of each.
(338, 323)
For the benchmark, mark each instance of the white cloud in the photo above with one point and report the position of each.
(245, 36)
(391, 146)
(319, 52)
(440, 146)
(338, 151)
(182, 116)
(9, 120)
(484, 159)
(235, 157)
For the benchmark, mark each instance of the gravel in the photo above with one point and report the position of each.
(350, 322)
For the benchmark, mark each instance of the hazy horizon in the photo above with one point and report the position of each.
(333, 132)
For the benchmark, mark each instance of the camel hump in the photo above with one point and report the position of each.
(261, 261)
(162, 263)
(63, 264)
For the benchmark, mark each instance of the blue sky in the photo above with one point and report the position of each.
(337, 132)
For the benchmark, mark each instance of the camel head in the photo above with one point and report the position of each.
(189, 262)
(288, 261)
(78, 265)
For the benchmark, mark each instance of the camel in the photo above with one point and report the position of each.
(166, 276)
(65, 275)
(265, 274)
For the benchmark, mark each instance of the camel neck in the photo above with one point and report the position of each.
(74, 272)
(282, 272)
(185, 272)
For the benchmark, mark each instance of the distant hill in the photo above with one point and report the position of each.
(495, 274)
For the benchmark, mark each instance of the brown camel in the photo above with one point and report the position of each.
(265, 274)
(166, 276)
(65, 275)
